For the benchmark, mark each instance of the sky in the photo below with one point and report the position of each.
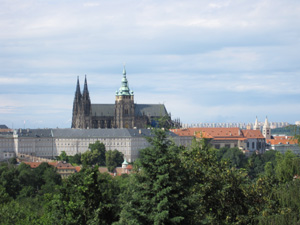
(208, 61)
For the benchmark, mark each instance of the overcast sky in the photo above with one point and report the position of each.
(207, 61)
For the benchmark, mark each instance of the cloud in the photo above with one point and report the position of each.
(220, 60)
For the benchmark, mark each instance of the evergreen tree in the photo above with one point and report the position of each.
(156, 193)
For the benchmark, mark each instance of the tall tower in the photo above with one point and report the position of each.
(267, 129)
(86, 107)
(124, 105)
(77, 106)
(256, 126)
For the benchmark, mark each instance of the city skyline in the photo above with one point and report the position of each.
(207, 61)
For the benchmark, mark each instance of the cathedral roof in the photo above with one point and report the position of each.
(156, 110)
(103, 109)
(151, 110)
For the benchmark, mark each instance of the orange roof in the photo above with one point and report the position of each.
(77, 168)
(129, 167)
(33, 164)
(252, 134)
(282, 141)
(209, 132)
(58, 165)
(282, 137)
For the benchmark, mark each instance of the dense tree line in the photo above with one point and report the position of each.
(170, 185)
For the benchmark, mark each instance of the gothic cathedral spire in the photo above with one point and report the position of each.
(76, 105)
(86, 101)
(82, 107)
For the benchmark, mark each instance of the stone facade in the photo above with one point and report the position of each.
(48, 143)
(123, 114)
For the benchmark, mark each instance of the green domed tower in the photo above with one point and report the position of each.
(124, 105)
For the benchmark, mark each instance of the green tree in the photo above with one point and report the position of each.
(236, 157)
(113, 159)
(287, 166)
(218, 194)
(87, 197)
(156, 192)
(75, 159)
(63, 156)
(96, 155)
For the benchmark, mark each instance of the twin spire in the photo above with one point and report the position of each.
(266, 124)
(85, 92)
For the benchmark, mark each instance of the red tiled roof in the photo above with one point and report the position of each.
(33, 164)
(252, 134)
(209, 132)
(282, 141)
(58, 165)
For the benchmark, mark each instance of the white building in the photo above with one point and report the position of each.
(48, 143)
(6, 146)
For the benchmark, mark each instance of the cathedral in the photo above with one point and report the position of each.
(123, 114)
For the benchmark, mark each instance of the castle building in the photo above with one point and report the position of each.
(48, 143)
(123, 114)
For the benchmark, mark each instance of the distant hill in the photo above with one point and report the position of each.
(288, 131)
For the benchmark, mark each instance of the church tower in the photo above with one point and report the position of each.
(256, 126)
(267, 129)
(124, 105)
(77, 106)
(86, 107)
(81, 107)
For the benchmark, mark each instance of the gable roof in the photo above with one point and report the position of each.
(103, 109)
(151, 110)
(252, 134)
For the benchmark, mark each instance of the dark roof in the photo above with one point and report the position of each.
(2, 126)
(95, 133)
(151, 110)
(103, 109)
(86, 133)
(34, 133)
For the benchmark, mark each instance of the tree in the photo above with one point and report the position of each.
(287, 166)
(236, 157)
(63, 156)
(218, 194)
(75, 159)
(87, 197)
(156, 192)
(113, 159)
(96, 155)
